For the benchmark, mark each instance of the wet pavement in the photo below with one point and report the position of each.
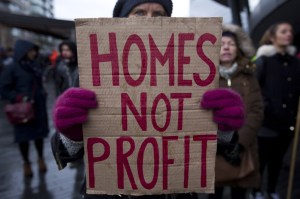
(55, 184)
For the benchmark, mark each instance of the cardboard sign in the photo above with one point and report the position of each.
(149, 135)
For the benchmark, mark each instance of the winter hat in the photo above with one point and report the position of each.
(124, 7)
(21, 48)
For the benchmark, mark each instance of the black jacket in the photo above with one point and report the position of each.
(279, 78)
(66, 76)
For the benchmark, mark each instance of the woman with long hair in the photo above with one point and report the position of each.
(278, 73)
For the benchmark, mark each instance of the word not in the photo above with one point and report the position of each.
(141, 117)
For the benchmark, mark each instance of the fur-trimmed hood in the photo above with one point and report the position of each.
(244, 41)
(270, 50)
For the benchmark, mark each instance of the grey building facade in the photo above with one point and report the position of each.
(8, 34)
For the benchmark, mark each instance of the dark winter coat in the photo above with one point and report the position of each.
(279, 78)
(244, 82)
(66, 73)
(23, 78)
(66, 76)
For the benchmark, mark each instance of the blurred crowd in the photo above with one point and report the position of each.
(267, 79)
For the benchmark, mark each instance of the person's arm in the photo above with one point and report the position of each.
(65, 150)
(58, 80)
(260, 70)
(229, 114)
(7, 85)
(70, 112)
(227, 106)
(254, 115)
(246, 135)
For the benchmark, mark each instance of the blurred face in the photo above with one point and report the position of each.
(31, 55)
(283, 35)
(66, 52)
(228, 52)
(148, 10)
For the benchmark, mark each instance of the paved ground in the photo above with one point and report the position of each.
(66, 183)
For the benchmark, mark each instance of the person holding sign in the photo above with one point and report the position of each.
(237, 72)
(71, 108)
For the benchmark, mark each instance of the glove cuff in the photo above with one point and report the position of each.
(71, 146)
(224, 137)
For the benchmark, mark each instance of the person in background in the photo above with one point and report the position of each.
(70, 113)
(278, 73)
(66, 72)
(22, 81)
(66, 75)
(8, 56)
(237, 73)
(2, 58)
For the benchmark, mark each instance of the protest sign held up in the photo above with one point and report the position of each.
(149, 134)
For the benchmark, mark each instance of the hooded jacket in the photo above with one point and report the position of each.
(279, 78)
(244, 42)
(23, 79)
(244, 82)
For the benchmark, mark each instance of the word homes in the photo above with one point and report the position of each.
(136, 47)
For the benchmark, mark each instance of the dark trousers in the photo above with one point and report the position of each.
(24, 149)
(236, 193)
(271, 153)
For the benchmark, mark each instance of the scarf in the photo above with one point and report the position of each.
(227, 72)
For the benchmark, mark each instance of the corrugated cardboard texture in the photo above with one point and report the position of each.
(179, 158)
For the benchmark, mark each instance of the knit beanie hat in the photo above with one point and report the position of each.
(124, 7)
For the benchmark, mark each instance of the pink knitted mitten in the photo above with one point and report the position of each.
(228, 108)
(71, 110)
